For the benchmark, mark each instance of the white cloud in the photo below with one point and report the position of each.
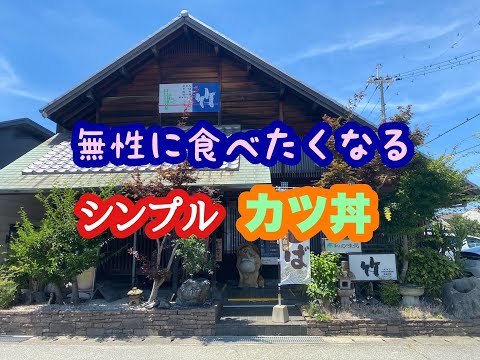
(394, 35)
(447, 97)
(11, 84)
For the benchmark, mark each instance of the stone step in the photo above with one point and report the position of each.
(229, 329)
(257, 321)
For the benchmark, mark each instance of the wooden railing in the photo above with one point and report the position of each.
(306, 168)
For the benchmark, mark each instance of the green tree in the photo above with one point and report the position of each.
(195, 256)
(325, 271)
(183, 177)
(410, 195)
(55, 252)
(427, 187)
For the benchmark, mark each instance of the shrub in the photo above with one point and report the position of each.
(315, 311)
(195, 256)
(431, 269)
(390, 293)
(325, 272)
(8, 292)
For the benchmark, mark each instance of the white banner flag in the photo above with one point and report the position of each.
(294, 261)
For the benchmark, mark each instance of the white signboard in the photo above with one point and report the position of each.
(294, 261)
(189, 97)
(373, 267)
(343, 247)
(175, 98)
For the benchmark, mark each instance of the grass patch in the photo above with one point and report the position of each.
(380, 312)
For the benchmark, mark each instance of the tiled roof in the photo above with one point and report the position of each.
(59, 160)
(35, 171)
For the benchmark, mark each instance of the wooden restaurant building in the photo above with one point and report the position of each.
(249, 93)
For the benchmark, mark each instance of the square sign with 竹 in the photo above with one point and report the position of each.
(373, 267)
(189, 97)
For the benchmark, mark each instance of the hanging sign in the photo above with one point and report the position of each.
(294, 261)
(373, 267)
(189, 97)
(343, 247)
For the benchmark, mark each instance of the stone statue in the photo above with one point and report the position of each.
(248, 265)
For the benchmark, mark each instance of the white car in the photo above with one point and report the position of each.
(469, 243)
(471, 256)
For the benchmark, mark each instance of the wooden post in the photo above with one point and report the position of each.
(280, 117)
(219, 121)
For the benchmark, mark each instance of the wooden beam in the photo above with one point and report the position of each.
(280, 117)
(315, 107)
(126, 74)
(156, 53)
(282, 93)
(219, 68)
(90, 94)
(217, 49)
(249, 70)
(186, 31)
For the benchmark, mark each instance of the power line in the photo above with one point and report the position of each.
(445, 63)
(451, 129)
(461, 38)
(368, 102)
(441, 68)
(471, 147)
(370, 113)
(477, 23)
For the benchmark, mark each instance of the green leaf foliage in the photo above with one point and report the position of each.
(431, 269)
(54, 251)
(390, 293)
(195, 256)
(325, 271)
(8, 292)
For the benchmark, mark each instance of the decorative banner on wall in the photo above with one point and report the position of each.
(294, 261)
(373, 267)
(189, 97)
(343, 247)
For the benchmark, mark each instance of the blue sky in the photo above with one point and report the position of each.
(48, 47)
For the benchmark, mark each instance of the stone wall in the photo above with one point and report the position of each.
(438, 327)
(139, 322)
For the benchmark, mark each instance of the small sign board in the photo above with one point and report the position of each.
(343, 247)
(270, 252)
(189, 97)
(373, 267)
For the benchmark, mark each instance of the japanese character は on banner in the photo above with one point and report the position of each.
(294, 261)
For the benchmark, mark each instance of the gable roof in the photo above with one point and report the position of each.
(186, 20)
(29, 125)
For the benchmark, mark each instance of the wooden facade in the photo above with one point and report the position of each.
(252, 95)
(248, 96)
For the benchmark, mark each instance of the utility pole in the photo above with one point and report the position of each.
(379, 81)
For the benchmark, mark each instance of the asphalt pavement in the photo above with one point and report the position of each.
(248, 348)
